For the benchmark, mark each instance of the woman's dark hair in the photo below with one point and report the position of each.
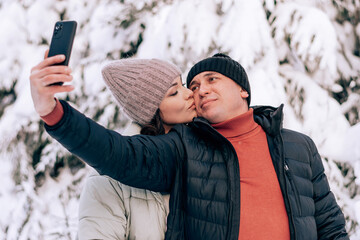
(155, 127)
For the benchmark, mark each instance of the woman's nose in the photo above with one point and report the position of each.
(188, 93)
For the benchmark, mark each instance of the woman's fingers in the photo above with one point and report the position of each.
(48, 62)
(42, 78)
(49, 79)
(46, 53)
(52, 90)
(51, 70)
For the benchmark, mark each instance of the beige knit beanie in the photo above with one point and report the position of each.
(139, 85)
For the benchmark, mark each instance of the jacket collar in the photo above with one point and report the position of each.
(269, 118)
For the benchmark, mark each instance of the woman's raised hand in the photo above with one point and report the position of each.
(42, 78)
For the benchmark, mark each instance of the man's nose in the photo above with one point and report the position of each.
(203, 89)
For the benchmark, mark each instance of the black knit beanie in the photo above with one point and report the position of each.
(225, 65)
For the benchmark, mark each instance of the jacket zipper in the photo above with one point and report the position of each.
(286, 196)
(296, 193)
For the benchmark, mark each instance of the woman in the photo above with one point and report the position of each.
(151, 94)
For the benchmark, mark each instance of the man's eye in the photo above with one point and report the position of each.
(194, 88)
(212, 79)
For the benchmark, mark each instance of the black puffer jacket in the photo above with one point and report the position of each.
(200, 169)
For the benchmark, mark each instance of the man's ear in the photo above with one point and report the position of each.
(244, 93)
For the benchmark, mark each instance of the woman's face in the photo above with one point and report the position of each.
(177, 106)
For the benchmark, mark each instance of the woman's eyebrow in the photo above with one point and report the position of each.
(174, 84)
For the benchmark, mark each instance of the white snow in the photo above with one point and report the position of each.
(317, 52)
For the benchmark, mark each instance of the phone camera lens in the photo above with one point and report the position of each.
(58, 27)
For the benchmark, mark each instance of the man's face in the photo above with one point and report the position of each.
(217, 97)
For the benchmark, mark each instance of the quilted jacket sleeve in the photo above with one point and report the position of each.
(329, 218)
(139, 161)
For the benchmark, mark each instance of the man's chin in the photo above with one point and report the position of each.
(208, 116)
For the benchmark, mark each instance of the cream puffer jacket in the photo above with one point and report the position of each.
(109, 209)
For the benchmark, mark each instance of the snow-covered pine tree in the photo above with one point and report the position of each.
(301, 53)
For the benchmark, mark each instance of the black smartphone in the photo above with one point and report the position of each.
(62, 41)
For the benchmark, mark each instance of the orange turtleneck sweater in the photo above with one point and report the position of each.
(262, 211)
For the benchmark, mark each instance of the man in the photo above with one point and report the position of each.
(235, 175)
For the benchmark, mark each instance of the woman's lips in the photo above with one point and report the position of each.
(192, 105)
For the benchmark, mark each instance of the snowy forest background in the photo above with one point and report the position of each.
(302, 53)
